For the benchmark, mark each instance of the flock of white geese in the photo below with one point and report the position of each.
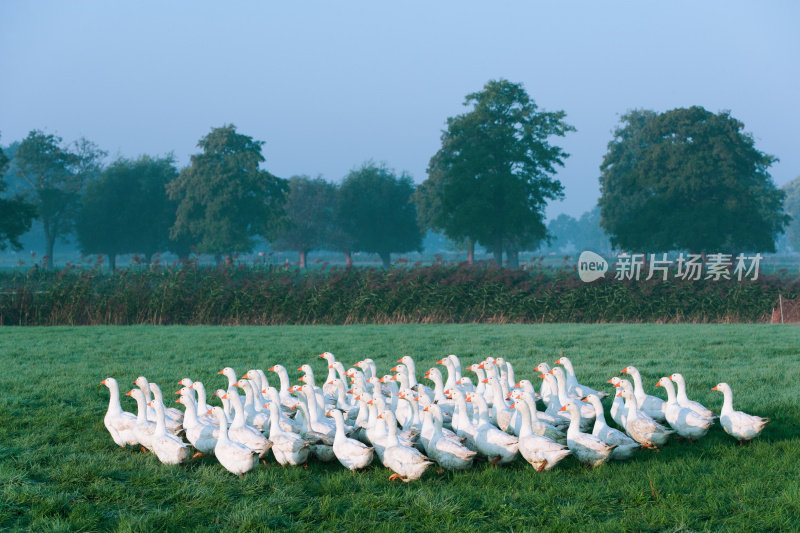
(411, 426)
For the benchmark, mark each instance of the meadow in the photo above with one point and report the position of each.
(60, 470)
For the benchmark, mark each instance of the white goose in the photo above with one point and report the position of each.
(449, 453)
(651, 405)
(586, 448)
(169, 449)
(625, 446)
(351, 453)
(498, 446)
(684, 400)
(144, 428)
(172, 425)
(541, 452)
(407, 462)
(233, 456)
(199, 432)
(120, 424)
(173, 416)
(686, 423)
(641, 427)
(240, 431)
(287, 447)
(738, 424)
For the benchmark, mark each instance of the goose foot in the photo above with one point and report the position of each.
(440, 471)
(305, 466)
(241, 476)
(541, 467)
(198, 454)
(264, 462)
(495, 460)
(394, 476)
(144, 450)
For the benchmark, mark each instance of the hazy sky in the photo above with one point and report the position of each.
(331, 84)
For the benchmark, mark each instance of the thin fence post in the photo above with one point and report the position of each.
(780, 303)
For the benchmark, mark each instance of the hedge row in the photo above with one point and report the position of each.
(435, 294)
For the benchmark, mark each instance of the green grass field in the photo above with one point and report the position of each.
(60, 470)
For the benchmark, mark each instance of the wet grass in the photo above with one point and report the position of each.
(60, 470)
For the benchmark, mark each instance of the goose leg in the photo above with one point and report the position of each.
(198, 454)
(495, 460)
(394, 476)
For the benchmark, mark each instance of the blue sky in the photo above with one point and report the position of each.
(329, 84)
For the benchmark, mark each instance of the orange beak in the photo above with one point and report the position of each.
(426, 408)
(328, 413)
(150, 404)
(221, 372)
(369, 402)
(541, 376)
(265, 406)
(393, 369)
(609, 381)
(440, 362)
(263, 391)
(209, 411)
(103, 382)
(330, 366)
(618, 384)
(624, 371)
(177, 392)
(178, 400)
(399, 360)
(563, 408)
(300, 369)
(513, 406)
(619, 393)
(517, 384)
(129, 393)
(323, 356)
(550, 371)
(714, 388)
(380, 415)
(224, 396)
(271, 369)
(485, 380)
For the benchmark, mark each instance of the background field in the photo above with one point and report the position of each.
(60, 470)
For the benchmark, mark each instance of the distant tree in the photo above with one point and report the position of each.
(310, 216)
(792, 207)
(16, 214)
(377, 211)
(563, 231)
(688, 179)
(493, 175)
(224, 198)
(56, 176)
(126, 210)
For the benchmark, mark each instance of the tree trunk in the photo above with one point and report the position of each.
(497, 250)
(513, 259)
(386, 257)
(50, 241)
(303, 258)
(348, 259)
(218, 259)
(112, 261)
(470, 252)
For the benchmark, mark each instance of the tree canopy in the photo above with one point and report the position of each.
(494, 173)
(688, 179)
(377, 211)
(56, 176)
(16, 214)
(224, 198)
(126, 210)
(310, 208)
